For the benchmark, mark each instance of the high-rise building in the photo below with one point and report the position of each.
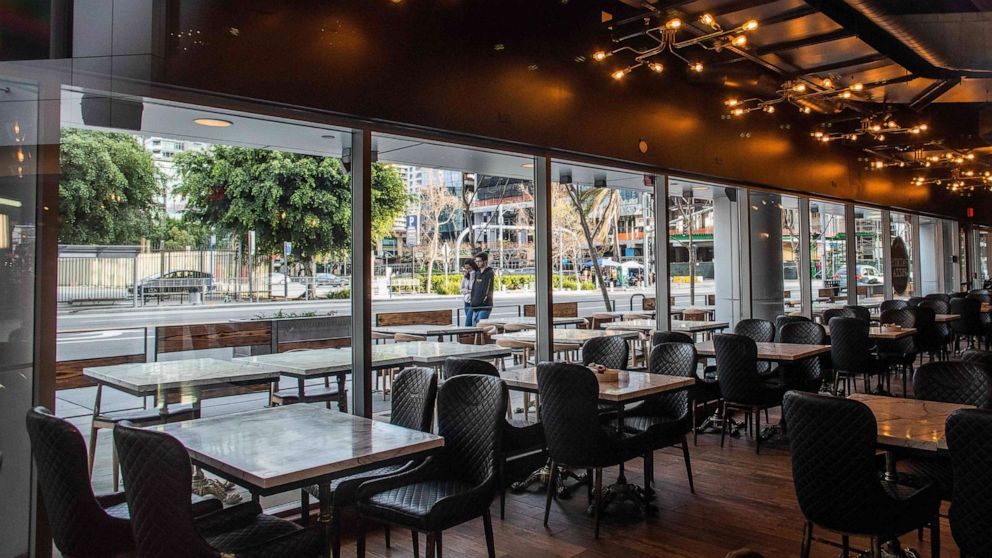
(164, 151)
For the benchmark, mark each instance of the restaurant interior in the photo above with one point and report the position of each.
(680, 278)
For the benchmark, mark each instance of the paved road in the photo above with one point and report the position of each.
(111, 341)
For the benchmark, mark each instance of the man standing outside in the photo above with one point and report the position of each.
(482, 289)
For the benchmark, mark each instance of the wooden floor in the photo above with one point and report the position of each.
(741, 500)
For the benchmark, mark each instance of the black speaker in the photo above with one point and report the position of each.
(106, 112)
(731, 193)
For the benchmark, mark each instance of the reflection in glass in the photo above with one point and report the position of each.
(901, 268)
(828, 253)
(774, 254)
(869, 260)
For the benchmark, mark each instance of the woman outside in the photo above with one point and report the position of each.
(468, 278)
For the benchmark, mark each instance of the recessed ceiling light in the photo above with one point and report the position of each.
(328, 136)
(213, 122)
(527, 165)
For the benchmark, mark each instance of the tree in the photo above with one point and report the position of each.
(107, 189)
(284, 197)
(437, 206)
(565, 231)
(177, 234)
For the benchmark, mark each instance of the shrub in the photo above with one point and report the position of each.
(339, 294)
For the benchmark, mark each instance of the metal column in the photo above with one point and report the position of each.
(914, 221)
(542, 255)
(662, 286)
(852, 254)
(887, 254)
(361, 273)
(805, 260)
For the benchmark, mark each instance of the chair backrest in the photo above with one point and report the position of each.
(807, 333)
(832, 441)
(850, 347)
(659, 337)
(831, 313)
(761, 331)
(979, 357)
(952, 296)
(80, 526)
(969, 438)
(928, 337)
(158, 475)
(470, 416)
(896, 304)
(939, 306)
(737, 367)
(672, 359)
(938, 296)
(904, 317)
(611, 351)
(914, 301)
(782, 320)
(413, 394)
(953, 382)
(457, 366)
(569, 413)
(860, 312)
(969, 310)
(982, 297)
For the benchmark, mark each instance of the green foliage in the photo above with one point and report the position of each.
(508, 282)
(177, 234)
(303, 199)
(107, 189)
(340, 294)
(570, 283)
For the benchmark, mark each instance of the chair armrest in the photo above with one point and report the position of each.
(403, 478)
(108, 500)
(224, 518)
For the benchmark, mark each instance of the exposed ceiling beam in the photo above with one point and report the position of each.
(841, 64)
(789, 15)
(932, 92)
(804, 42)
(739, 6)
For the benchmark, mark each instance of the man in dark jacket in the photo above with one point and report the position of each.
(482, 289)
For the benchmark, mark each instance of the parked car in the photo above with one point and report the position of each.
(867, 275)
(331, 280)
(278, 287)
(183, 281)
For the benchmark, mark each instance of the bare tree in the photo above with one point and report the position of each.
(686, 207)
(437, 205)
(574, 194)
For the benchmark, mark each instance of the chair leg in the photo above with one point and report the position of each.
(695, 434)
(876, 547)
(415, 536)
(757, 431)
(116, 467)
(360, 537)
(723, 424)
(336, 532)
(430, 545)
(589, 476)
(438, 544)
(935, 537)
(385, 534)
(487, 522)
(92, 448)
(304, 507)
(648, 470)
(845, 546)
(807, 539)
(688, 464)
(552, 481)
(598, 494)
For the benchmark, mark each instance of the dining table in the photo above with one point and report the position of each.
(278, 449)
(885, 334)
(528, 321)
(577, 336)
(427, 330)
(775, 352)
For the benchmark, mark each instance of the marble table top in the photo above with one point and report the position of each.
(567, 335)
(429, 330)
(151, 377)
(316, 362)
(700, 307)
(528, 321)
(677, 325)
(909, 423)
(875, 332)
(630, 386)
(624, 314)
(784, 352)
(944, 318)
(275, 447)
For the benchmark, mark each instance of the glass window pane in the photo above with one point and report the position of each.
(902, 255)
(774, 254)
(828, 254)
(869, 260)
(931, 266)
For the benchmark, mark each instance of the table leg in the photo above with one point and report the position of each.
(342, 396)
(326, 519)
(623, 498)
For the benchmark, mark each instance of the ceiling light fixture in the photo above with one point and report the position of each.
(213, 122)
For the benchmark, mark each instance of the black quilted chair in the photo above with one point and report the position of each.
(837, 481)
(914, 301)
(741, 385)
(659, 337)
(945, 298)
(898, 353)
(158, 475)
(414, 391)
(895, 304)
(927, 338)
(969, 439)
(948, 382)
(780, 321)
(850, 353)
(979, 357)
(83, 524)
(454, 486)
(981, 295)
(761, 331)
(806, 374)
(521, 439)
(611, 351)
(665, 420)
(860, 312)
(576, 437)
(952, 296)
(832, 313)
(969, 323)
(943, 329)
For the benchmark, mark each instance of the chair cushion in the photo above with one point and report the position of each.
(520, 436)
(146, 416)
(936, 469)
(410, 505)
(246, 534)
(345, 489)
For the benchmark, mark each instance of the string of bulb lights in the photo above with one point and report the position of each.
(666, 36)
(876, 129)
(798, 93)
